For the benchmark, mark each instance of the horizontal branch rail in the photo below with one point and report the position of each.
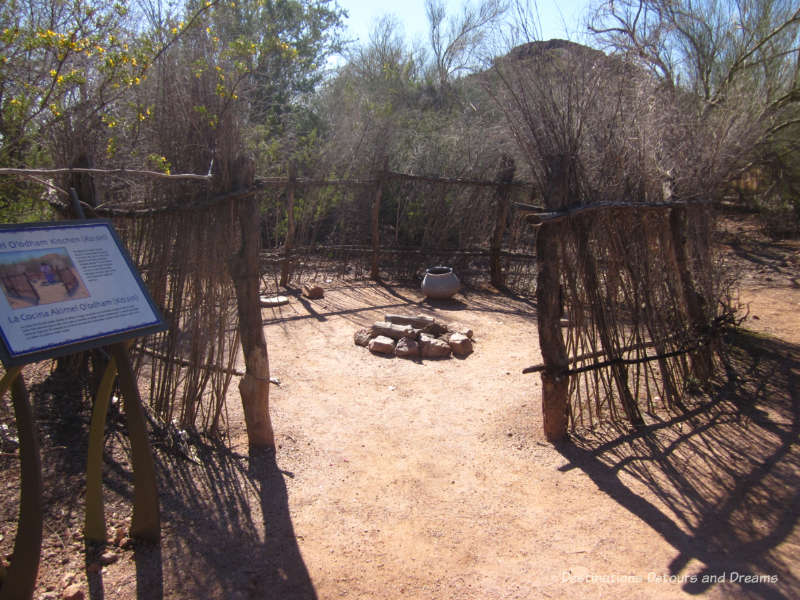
(537, 218)
(456, 180)
(69, 171)
(176, 360)
(259, 183)
(616, 360)
(278, 255)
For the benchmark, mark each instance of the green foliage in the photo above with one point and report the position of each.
(144, 85)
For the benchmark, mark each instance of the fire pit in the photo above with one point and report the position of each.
(416, 337)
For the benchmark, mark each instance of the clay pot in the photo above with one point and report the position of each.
(440, 283)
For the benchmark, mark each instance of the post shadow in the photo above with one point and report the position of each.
(284, 576)
(726, 475)
(229, 529)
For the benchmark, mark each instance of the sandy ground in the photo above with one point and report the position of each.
(430, 479)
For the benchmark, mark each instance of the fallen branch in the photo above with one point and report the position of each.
(187, 363)
(538, 218)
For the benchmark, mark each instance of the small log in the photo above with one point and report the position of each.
(418, 322)
(391, 330)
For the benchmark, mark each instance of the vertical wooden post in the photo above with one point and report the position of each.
(505, 176)
(20, 578)
(375, 221)
(551, 341)
(555, 383)
(244, 269)
(290, 225)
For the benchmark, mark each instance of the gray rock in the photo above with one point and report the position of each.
(362, 337)
(433, 348)
(313, 292)
(73, 592)
(381, 345)
(406, 347)
(460, 344)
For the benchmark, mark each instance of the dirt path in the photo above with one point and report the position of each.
(430, 479)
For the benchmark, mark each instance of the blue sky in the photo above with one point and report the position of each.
(363, 14)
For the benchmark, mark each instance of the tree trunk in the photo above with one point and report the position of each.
(244, 269)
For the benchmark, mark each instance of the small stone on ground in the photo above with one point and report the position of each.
(273, 300)
(381, 345)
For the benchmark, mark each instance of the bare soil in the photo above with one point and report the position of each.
(396, 478)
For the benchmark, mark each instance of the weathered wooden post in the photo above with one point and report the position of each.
(555, 382)
(244, 269)
(375, 221)
(505, 176)
(290, 226)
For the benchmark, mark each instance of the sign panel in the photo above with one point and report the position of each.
(66, 287)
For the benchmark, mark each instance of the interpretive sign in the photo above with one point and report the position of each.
(66, 287)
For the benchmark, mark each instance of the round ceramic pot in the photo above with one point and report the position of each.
(440, 283)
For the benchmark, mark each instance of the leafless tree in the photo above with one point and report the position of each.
(456, 42)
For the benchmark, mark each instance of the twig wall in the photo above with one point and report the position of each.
(630, 280)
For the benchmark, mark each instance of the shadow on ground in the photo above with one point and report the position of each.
(357, 301)
(725, 476)
(226, 525)
(230, 532)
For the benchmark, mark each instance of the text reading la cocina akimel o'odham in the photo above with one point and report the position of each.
(84, 306)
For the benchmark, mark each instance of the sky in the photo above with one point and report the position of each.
(553, 15)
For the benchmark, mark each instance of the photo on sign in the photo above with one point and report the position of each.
(37, 277)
